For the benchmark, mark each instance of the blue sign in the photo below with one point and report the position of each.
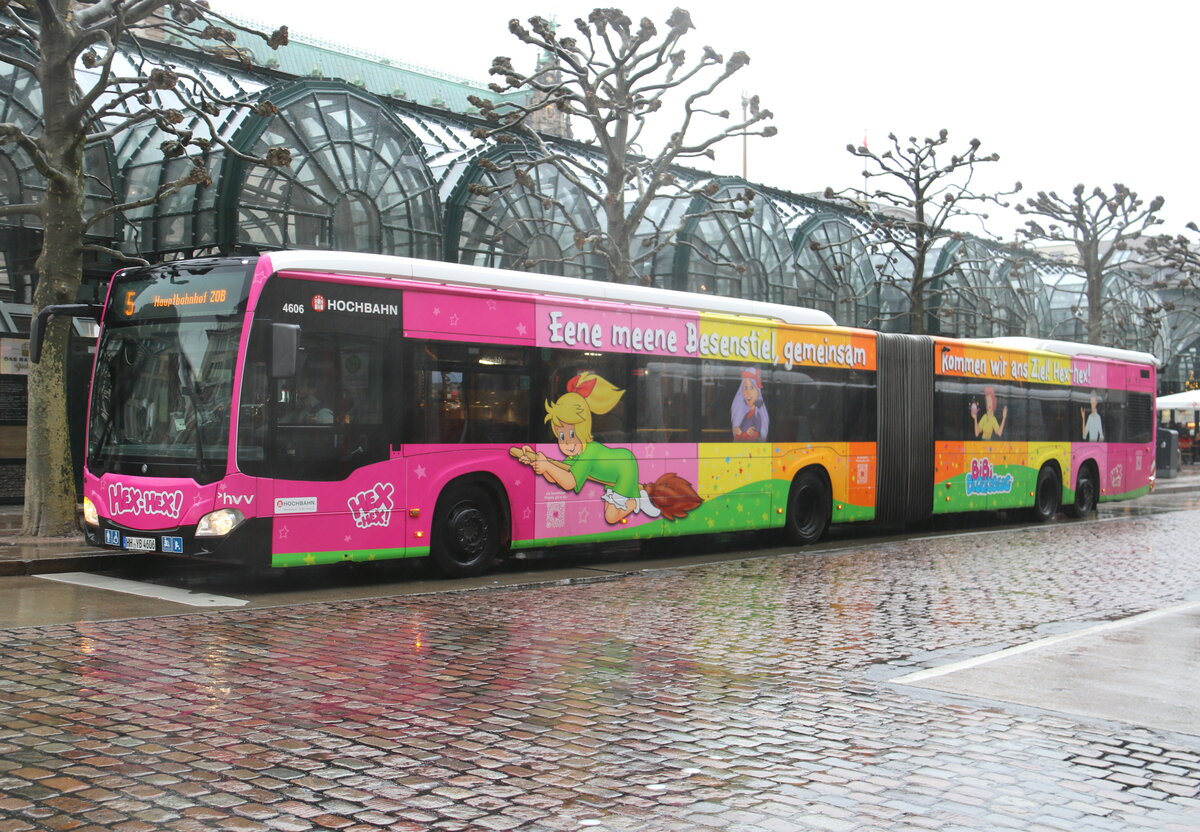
(172, 545)
(112, 537)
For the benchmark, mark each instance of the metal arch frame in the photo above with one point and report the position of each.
(114, 172)
(1029, 290)
(682, 256)
(864, 268)
(1129, 294)
(460, 198)
(253, 127)
(246, 82)
(945, 262)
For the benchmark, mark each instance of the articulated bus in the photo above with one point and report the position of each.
(308, 407)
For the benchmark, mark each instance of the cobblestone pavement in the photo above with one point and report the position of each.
(752, 695)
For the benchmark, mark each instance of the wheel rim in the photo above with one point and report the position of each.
(469, 530)
(1046, 497)
(1086, 498)
(807, 510)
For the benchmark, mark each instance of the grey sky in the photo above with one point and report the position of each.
(1065, 91)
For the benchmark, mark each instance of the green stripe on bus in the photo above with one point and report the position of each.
(751, 507)
(342, 556)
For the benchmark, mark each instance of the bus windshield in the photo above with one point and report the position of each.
(163, 385)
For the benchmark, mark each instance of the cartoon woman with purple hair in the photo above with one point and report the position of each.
(749, 412)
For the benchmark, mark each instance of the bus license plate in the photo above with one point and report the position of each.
(141, 544)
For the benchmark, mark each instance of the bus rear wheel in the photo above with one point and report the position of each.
(1047, 496)
(808, 509)
(466, 532)
(1086, 491)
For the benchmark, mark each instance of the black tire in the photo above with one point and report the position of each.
(1087, 491)
(808, 509)
(466, 532)
(1047, 496)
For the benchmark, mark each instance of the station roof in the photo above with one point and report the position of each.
(310, 56)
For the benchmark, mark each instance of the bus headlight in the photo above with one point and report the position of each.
(90, 516)
(219, 523)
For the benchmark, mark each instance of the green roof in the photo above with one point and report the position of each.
(307, 56)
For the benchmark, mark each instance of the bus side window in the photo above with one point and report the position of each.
(1049, 413)
(793, 394)
(666, 399)
(1114, 414)
(827, 412)
(952, 415)
(466, 393)
(559, 367)
(720, 384)
(860, 399)
(359, 412)
(1017, 398)
(434, 410)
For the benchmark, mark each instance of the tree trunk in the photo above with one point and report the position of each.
(917, 315)
(1093, 273)
(617, 245)
(49, 471)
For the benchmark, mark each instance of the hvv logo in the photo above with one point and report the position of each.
(235, 499)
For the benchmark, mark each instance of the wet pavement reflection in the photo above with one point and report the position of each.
(754, 694)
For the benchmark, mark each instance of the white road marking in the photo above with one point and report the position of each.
(933, 672)
(161, 593)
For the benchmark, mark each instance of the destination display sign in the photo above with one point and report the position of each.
(164, 293)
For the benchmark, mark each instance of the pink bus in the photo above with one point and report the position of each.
(307, 407)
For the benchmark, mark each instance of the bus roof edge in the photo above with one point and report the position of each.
(382, 265)
(1072, 348)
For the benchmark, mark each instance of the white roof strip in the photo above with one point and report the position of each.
(382, 265)
(1072, 348)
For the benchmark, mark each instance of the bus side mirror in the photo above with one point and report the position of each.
(37, 330)
(285, 349)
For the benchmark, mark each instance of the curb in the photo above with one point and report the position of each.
(68, 562)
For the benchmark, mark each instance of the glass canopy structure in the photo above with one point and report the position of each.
(374, 170)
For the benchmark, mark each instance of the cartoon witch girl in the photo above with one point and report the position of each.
(584, 459)
(987, 424)
(748, 411)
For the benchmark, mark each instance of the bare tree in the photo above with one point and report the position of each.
(95, 82)
(615, 80)
(1178, 253)
(1175, 261)
(922, 189)
(1102, 229)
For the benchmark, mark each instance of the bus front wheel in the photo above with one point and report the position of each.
(466, 532)
(808, 509)
(1047, 496)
